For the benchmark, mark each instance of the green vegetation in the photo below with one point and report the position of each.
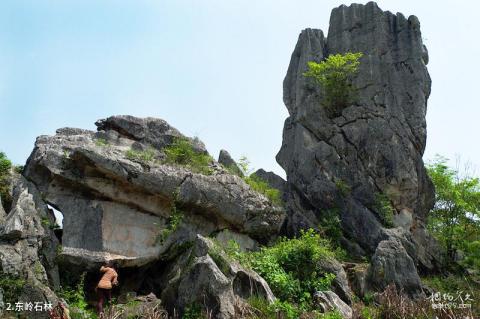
(193, 311)
(291, 268)
(75, 298)
(12, 286)
(455, 218)
(335, 75)
(258, 184)
(384, 209)
(174, 220)
(5, 166)
(101, 142)
(343, 187)
(146, 156)
(181, 152)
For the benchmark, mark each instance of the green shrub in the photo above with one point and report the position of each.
(12, 287)
(145, 156)
(173, 222)
(181, 152)
(291, 267)
(75, 296)
(278, 309)
(455, 219)
(335, 75)
(5, 166)
(384, 209)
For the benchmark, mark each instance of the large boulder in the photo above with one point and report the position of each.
(392, 264)
(28, 248)
(117, 204)
(204, 275)
(370, 155)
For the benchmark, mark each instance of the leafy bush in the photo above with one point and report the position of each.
(12, 287)
(455, 218)
(145, 156)
(258, 184)
(335, 76)
(5, 166)
(291, 267)
(181, 152)
(384, 209)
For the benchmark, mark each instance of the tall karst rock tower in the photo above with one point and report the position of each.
(369, 157)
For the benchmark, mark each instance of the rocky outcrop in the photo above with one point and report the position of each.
(228, 162)
(205, 275)
(122, 201)
(117, 203)
(28, 247)
(374, 149)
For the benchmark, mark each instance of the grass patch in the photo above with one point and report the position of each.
(101, 142)
(181, 152)
(145, 156)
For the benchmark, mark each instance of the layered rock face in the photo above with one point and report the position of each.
(118, 197)
(28, 248)
(374, 149)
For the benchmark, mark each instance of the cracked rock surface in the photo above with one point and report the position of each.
(375, 147)
(116, 204)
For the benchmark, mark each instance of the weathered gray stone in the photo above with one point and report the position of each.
(107, 198)
(273, 180)
(228, 162)
(205, 275)
(340, 284)
(28, 245)
(326, 301)
(392, 264)
(375, 146)
(244, 242)
(151, 131)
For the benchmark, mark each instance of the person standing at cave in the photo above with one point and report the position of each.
(105, 285)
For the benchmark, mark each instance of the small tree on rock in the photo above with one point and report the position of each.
(335, 76)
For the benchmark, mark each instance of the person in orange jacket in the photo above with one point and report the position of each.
(105, 285)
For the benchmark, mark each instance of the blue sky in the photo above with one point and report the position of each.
(211, 68)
